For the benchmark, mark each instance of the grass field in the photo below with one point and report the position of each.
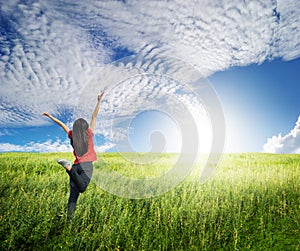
(251, 203)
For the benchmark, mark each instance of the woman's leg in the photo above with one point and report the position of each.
(81, 174)
(74, 194)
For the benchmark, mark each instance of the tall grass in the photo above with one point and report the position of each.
(251, 203)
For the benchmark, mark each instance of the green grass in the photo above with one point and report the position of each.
(252, 202)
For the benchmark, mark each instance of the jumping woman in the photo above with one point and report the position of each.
(81, 171)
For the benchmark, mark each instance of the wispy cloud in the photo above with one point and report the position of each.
(6, 132)
(289, 143)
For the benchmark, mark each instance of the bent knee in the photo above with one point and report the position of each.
(82, 189)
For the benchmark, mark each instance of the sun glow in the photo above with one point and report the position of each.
(157, 131)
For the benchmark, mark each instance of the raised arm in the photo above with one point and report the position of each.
(57, 121)
(95, 113)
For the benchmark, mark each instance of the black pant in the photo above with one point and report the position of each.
(80, 176)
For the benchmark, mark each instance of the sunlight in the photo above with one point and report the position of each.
(157, 131)
(154, 131)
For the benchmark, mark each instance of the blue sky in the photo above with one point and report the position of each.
(54, 54)
(259, 101)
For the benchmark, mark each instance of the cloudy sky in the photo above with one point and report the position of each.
(56, 55)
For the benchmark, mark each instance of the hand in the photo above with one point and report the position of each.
(46, 114)
(100, 96)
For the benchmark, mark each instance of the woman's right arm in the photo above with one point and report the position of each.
(57, 121)
(95, 112)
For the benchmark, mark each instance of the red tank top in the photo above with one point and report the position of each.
(90, 155)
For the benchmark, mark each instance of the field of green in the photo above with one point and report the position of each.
(252, 202)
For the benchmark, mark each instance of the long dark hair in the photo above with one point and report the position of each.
(79, 136)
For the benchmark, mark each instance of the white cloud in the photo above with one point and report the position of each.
(45, 62)
(288, 45)
(105, 147)
(211, 35)
(52, 48)
(51, 51)
(289, 143)
(47, 146)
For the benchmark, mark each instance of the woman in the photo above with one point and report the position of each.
(82, 142)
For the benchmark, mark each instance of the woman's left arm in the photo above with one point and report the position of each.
(57, 121)
(95, 113)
